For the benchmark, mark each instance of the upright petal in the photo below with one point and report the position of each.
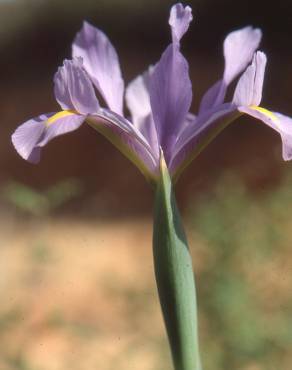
(170, 85)
(148, 130)
(214, 96)
(73, 89)
(250, 85)
(29, 137)
(188, 124)
(101, 63)
(179, 20)
(239, 47)
(137, 97)
(138, 102)
(170, 96)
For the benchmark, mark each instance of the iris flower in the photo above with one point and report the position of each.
(159, 100)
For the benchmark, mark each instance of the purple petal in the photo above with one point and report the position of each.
(60, 126)
(61, 89)
(202, 129)
(120, 123)
(239, 47)
(214, 96)
(138, 102)
(279, 122)
(128, 141)
(250, 85)
(137, 97)
(170, 96)
(179, 20)
(188, 124)
(101, 63)
(148, 130)
(73, 88)
(202, 123)
(29, 137)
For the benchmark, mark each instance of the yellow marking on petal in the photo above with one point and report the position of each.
(265, 112)
(63, 113)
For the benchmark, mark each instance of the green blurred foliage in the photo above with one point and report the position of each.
(243, 258)
(246, 318)
(41, 203)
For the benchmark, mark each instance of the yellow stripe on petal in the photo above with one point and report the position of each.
(63, 113)
(265, 112)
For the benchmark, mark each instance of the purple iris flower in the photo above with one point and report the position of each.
(159, 100)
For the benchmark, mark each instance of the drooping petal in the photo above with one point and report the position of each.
(239, 47)
(250, 85)
(73, 88)
(61, 124)
(179, 20)
(121, 123)
(170, 96)
(277, 121)
(128, 141)
(33, 134)
(27, 135)
(101, 62)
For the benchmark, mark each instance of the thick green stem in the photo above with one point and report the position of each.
(174, 277)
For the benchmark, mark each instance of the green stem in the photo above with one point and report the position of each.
(174, 277)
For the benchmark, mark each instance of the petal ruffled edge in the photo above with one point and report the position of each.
(101, 62)
(179, 21)
(73, 88)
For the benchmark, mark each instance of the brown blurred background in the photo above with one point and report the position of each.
(84, 192)
(36, 37)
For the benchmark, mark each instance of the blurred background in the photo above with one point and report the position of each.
(76, 276)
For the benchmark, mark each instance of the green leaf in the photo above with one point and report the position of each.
(174, 276)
